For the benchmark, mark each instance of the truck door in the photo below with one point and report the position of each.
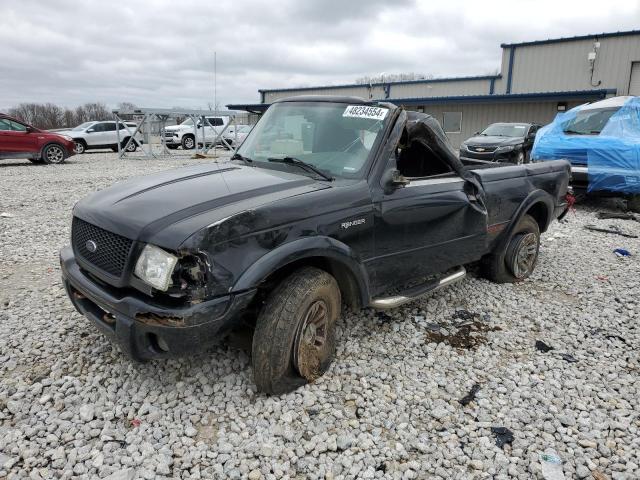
(431, 224)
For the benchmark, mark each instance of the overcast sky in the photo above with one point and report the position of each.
(160, 53)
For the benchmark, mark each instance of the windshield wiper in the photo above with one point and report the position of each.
(303, 165)
(575, 132)
(237, 156)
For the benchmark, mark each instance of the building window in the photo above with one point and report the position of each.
(452, 122)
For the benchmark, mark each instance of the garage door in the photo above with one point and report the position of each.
(634, 81)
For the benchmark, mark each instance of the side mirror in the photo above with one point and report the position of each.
(30, 129)
(91, 130)
(476, 133)
(393, 179)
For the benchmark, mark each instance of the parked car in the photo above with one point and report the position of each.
(355, 202)
(236, 135)
(602, 142)
(185, 135)
(21, 140)
(99, 135)
(501, 142)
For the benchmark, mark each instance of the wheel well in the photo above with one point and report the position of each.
(540, 213)
(80, 140)
(344, 276)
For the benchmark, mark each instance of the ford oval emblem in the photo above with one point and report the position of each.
(91, 246)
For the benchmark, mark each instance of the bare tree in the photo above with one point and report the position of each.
(393, 77)
(50, 116)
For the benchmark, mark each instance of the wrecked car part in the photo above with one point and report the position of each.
(568, 358)
(471, 396)
(621, 252)
(543, 347)
(551, 465)
(466, 336)
(617, 216)
(503, 435)
(418, 291)
(161, 320)
(612, 229)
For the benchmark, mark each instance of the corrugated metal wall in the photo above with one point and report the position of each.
(477, 116)
(441, 89)
(563, 66)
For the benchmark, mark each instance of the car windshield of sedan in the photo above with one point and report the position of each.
(334, 138)
(82, 126)
(505, 130)
(589, 122)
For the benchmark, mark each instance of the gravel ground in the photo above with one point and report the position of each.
(72, 406)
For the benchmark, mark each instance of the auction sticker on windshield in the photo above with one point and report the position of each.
(363, 111)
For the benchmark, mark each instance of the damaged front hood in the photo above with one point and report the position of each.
(143, 208)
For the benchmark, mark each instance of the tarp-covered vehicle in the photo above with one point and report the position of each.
(328, 200)
(602, 142)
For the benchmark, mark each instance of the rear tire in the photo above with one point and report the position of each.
(53, 154)
(132, 147)
(294, 339)
(188, 142)
(518, 259)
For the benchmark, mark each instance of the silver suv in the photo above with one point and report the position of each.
(94, 135)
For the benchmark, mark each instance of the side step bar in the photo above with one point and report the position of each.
(386, 303)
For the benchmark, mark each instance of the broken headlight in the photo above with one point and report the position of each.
(155, 266)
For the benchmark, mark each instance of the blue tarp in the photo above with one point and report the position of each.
(612, 157)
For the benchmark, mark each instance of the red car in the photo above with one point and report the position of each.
(20, 140)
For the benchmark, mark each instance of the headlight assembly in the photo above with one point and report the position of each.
(506, 148)
(155, 266)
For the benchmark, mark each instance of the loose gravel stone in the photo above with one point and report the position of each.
(72, 405)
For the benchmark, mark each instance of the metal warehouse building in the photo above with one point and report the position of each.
(537, 79)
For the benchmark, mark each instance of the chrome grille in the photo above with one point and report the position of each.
(481, 149)
(111, 252)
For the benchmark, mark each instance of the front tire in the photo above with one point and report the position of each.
(188, 142)
(53, 154)
(521, 157)
(81, 147)
(518, 259)
(294, 339)
(132, 147)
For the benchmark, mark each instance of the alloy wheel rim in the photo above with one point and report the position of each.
(55, 155)
(79, 148)
(525, 256)
(188, 143)
(311, 340)
(131, 147)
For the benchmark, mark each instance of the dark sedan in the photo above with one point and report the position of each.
(501, 142)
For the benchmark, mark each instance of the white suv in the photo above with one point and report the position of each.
(183, 134)
(92, 135)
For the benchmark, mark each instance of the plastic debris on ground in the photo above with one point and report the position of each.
(617, 216)
(471, 396)
(612, 156)
(543, 347)
(503, 436)
(612, 229)
(6, 215)
(621, 252)
(551, 465)
(568, 358)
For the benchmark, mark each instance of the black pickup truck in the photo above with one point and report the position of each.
(328, 200)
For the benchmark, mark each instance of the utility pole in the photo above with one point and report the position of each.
(215, 81)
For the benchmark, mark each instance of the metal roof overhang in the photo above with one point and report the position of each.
(511, 97)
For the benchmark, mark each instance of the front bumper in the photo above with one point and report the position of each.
(494, 156)
(147, 330)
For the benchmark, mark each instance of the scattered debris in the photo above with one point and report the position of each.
(551, 465)
(503, 436)
(602, 278)
(621, 252)
(543, 347)
(418, 318)
(568, 358)
(465, 315)
(467, 335)
(612, 229)
(135, 422)
(471, 396)
(6, 215)
(618, 216)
